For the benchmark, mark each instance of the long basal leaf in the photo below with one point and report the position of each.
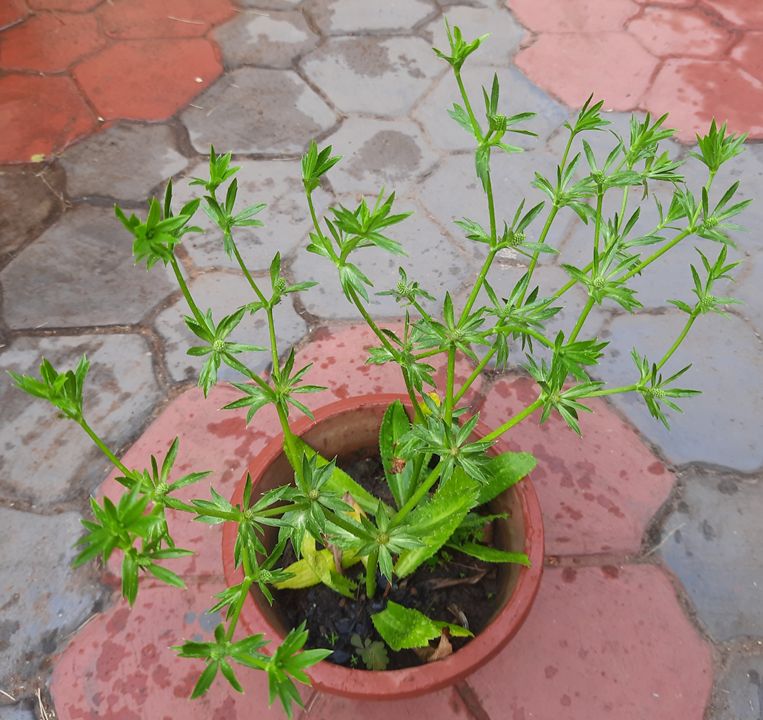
(505, 470)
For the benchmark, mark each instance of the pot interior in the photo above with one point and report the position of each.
(345, 435)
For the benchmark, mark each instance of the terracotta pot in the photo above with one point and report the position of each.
(346, 427)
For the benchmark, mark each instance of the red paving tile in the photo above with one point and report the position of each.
(743, 13)
(50, 42)
(578, 16)
(571, 66)
(60, 116)
(64, 5)
(161, 76)
(598, 492)
(599, 643)
(748, 53)
(130, 19)
(669, 32)
(11, 11)
(694, 91)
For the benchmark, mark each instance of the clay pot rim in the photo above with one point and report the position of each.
(407, 682)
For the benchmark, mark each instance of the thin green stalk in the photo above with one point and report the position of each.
(273, 342)
(581, 320)
(657, 254)
(185, 507)
(597, 230)
(515, 420)
(623, 206)
(371, 324)
(468, 105)
(613, 391)
(421, 490)
(678, 341)
(260, 295)
(102, 447)
(533, 263)
(478, 284)
(373, 561)
(241, 598)
(186, 292)
(449, 381)
(475, 374)
(428, 354)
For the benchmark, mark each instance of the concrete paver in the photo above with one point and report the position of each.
(740, 695)
(340, 17)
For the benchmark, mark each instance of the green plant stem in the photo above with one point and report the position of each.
(623, 206)
(678, 341)
(655, 255)
(475, 374)
(288, 437)
(186, 292)
(260, 295)
(541, 239)
(221, 514)
(373, 561)
(468, 105)
(421, 490)
(478, 284)
(102, 447)
(428, 354)
(597, 230)
(613, 391)
(581, 320)
(242, 595)
(273, 341)
(515, 420)
(449, 381)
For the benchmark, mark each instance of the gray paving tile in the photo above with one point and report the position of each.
(379, 153)
(518, 93)
(711, 542)
(286, 218)
(269, 4)
(43, 598)
(124, 162)
(272, 39)
(381, 76)
(498, 49)
(748, 290)
(720, 426)
(225, 292)
(47, 459)
(337, 17)
(739, 693)
(257, 110)
(453, 190)
(17, 711)
(80, 272)
(28, 205)
(432, 260)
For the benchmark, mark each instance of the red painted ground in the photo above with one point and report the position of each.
(103, 61)
(696, 59)
(605, 637)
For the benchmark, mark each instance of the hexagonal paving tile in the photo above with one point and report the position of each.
(574, 16)
(611, 65)
(43, 598)
(64, 5)
(453, 190)
(12, 12)
(518, 93)
(278, 183)
(224, 293)
(164, 76)
(135, 19)
(124, 162)
(28, 206)
(339, 17)
(47, 284)
(748, 54)
(432, 260)
(269, 4)
(379, 153)
(268, 112)
(598, 492)
(710, 542)
(272, 39)
(664, 31)
(591, 629)
(383, 76)
(120, 393)
(49, 43)
(741, 689)
(61, 113)
(498, 49)
(740, 12)
(720, 426)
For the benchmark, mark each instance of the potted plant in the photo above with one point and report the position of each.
(325, 511)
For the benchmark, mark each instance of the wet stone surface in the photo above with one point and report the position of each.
(286, 217)
(711, 542)
(45, 459)
(379, 154)
(721, 425)
(382, 76)
(28, 205)
(224, 293)
(43, 598)
(338, 17)
(255, 110)
(274, 39)
(740, 691)
(124, 162)
(98, 261)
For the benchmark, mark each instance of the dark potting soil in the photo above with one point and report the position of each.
(332, 619)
